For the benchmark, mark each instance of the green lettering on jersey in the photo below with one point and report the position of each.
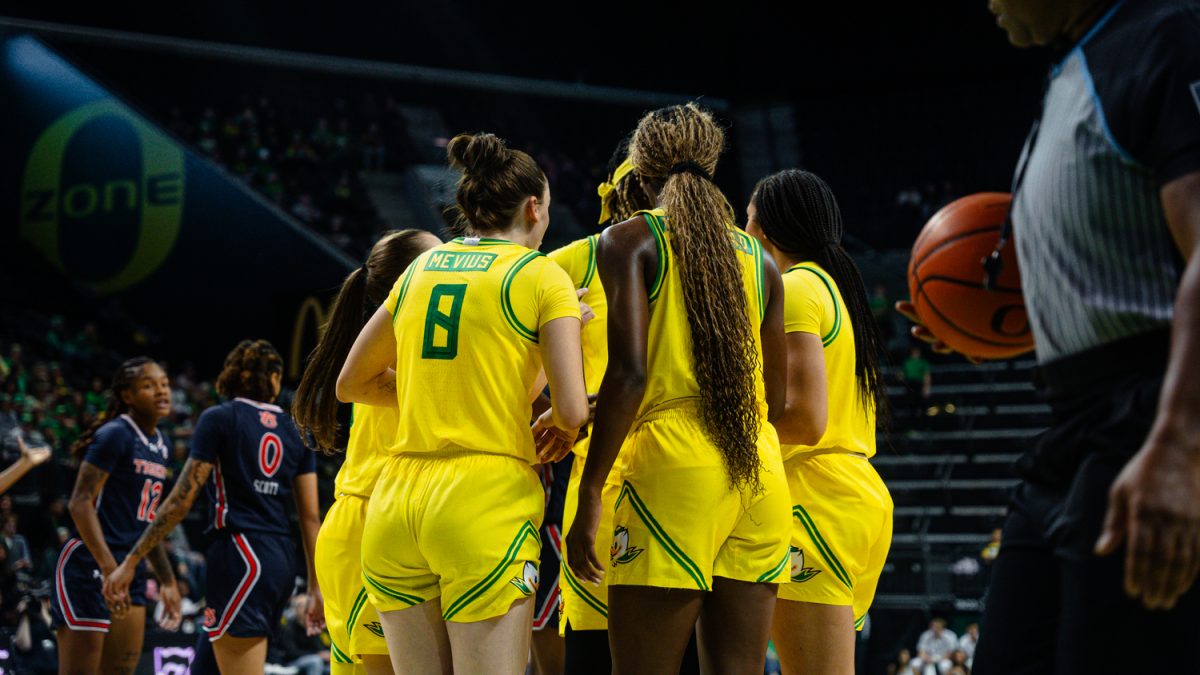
(454, 261)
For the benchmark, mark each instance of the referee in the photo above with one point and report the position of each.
(1101, 545)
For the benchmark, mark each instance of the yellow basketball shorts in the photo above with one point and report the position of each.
(461, 528)
(841, 531)
(584, 604)
(677, 521)
(352, 621)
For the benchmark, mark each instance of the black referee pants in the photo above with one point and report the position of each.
(1052, 605)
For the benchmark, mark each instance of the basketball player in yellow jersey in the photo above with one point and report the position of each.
(355, 633)
(584, 619)
(450, 544)
(695, 321)
(841, 510)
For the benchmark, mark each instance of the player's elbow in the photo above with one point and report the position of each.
(801, 428)
(344, 389)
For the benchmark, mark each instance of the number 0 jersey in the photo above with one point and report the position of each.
(670, 372)
(137, 469)
(467, 316)
(255, 451)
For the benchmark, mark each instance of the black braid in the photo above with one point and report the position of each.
(799, 214)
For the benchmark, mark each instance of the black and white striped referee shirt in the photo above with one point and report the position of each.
(1121, 118)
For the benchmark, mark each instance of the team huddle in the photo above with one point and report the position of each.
(714, 392)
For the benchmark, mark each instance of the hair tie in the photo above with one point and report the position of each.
(690, 167)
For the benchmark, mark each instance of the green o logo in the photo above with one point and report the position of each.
(158, 195)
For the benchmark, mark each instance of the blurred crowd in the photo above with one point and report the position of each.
(52, 387)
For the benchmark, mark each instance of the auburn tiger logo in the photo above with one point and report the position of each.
(210, 617)
(268, 419)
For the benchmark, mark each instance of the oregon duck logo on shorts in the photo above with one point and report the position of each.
(529, 583)
(375, 628)
(621, 552)
(799, 571)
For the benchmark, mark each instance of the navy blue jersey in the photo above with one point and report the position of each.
(136, 468)
(255, 451)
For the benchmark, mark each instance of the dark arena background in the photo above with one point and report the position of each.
(178, 177)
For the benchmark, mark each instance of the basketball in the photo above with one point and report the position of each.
(946, 280)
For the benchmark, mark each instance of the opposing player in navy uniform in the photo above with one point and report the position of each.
(121, 479)
(249, 456)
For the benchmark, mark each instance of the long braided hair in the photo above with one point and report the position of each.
(798, 212)
(122, 380)
(678, 148)
(315, 407)
(248, 369)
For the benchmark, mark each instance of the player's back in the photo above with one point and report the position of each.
(813, 303)
(256, 452)
(466, 317)
(670, 370)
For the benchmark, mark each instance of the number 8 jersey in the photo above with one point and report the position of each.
(256, 452)
(466, 316)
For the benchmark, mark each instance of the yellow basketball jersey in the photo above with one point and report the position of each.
(372, 432)
(670, 374)
(813, 304)
(466, 316)
(579, 260)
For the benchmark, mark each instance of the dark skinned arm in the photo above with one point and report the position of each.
(172, 511)
(774, 344)
(626, 255)
(304, 490)
(1154, 505)
(88, 484)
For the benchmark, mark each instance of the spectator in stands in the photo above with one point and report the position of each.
(918, 379)
(966, 643)
(308, 654)
(903, 664)
(372, 148)
(19, 556)
(934, 648)
(33, 642)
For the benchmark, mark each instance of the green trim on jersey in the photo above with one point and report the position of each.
(755, 249)
(781, 568)
(396, 595)
(483, 241)
(360, 601)
(524, 331)
(837, 310)
(823, 548)
(403, 291)
(590, 273)
(339, 656)
(660, 535)
(527, 530)
(588, 598)
(660, 244)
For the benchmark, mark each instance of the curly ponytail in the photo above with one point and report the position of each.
(248, 369)
(678, 147)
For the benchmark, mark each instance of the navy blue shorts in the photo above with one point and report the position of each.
(250, 579)
(78, 600)
(554, 480)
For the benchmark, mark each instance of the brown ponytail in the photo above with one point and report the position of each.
(314, 407)
(495, 181)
